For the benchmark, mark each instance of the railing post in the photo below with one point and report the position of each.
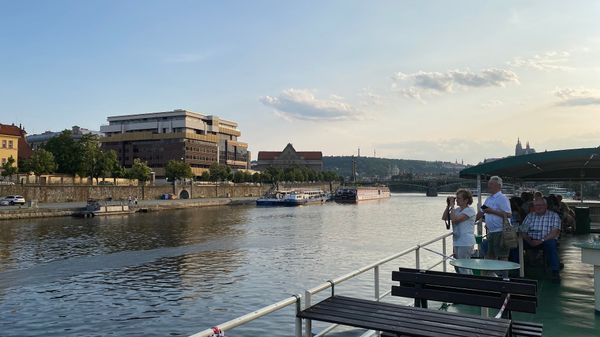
(307, 322)
(417, 257)
(376, 275)
(444, 252)
(298, 324)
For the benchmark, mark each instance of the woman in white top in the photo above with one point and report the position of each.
(463, 221)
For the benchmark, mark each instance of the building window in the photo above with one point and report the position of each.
(4, 143)
(10, 144)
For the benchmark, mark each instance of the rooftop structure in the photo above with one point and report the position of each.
(290, 157)
(40, 139)
(157, 137)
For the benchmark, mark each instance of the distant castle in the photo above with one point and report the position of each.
(519, 150)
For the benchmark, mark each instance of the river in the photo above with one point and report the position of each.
(179, 272)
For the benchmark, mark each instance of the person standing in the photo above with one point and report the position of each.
(463, 220)
(495, 208)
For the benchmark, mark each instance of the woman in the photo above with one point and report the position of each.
(463, 220)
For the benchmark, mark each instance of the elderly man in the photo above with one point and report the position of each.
(495, 208)
(543, 230)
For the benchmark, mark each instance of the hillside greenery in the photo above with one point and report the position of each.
(384, 168)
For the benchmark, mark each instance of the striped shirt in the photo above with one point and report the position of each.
(540, 225)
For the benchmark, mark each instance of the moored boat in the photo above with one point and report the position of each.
(297, 198)
(361, 193)
(293, 198)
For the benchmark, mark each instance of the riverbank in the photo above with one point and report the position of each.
(47, 210)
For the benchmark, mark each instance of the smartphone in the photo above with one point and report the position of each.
(484, 207)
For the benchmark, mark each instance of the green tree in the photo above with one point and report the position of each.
(66, 152)
(41, 162)
(139, 170)
(220, 172)
(177, 169)
(205, 176)
(94, 162)
(9, 168)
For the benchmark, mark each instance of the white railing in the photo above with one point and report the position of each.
(330, 284)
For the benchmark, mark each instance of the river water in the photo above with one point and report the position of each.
(180, 272)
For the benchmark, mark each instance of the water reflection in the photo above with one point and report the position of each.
(26, 243)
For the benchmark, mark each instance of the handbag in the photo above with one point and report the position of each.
(509, 234)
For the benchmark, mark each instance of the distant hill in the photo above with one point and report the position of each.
(384, 168)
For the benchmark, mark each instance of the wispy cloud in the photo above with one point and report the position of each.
(302, 104)
(422, 82)
(552, 60)
(577, 97)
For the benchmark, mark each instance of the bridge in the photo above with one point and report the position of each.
(432, 186)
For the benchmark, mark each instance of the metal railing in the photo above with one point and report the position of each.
(330, 284)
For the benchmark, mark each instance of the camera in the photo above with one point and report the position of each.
(450, 200)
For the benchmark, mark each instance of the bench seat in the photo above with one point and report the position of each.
(401, 320)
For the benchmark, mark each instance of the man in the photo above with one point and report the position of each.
(495, 208)
(543, 230)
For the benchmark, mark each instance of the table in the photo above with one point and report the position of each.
(485, 265)
(590, 253)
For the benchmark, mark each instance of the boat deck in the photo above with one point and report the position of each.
(565, 309)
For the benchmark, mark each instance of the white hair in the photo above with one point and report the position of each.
(497, 179)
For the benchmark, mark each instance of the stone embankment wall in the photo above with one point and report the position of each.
(78, 193)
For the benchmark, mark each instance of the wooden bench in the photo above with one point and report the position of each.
(509, 295)
(401, 320)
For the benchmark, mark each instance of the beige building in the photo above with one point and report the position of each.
(289, 157)
(158, 137)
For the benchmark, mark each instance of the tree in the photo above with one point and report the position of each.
(176, 169)
(220, 172)
(41, 162)
(9, 168)
(139, 170)
(66, 152)
(94, 162)
(205, 176)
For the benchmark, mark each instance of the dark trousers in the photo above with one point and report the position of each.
(550, 252)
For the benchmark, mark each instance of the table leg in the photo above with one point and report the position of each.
(521, 260)
(597, 287)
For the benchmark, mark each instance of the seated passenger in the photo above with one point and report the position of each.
(543, 228)
(566, 215)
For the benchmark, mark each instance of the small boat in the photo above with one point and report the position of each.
(297, 198)
(293, 198)
(361, 193)
(275, 198)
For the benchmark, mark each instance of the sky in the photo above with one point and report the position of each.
(431, 80)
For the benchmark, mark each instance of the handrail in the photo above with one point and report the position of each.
(295, 299)
(250, 316)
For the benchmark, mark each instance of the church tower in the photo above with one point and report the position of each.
(518, 148)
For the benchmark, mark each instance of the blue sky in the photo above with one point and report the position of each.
(407, 79)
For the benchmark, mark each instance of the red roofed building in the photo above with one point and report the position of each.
(290, 157)
(23, 150)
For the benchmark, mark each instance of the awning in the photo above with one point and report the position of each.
(563, 165)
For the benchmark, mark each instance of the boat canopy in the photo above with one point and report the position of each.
(562, 165)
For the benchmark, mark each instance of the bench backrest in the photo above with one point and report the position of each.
(466, 289)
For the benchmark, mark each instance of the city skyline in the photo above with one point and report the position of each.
(429, 81)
